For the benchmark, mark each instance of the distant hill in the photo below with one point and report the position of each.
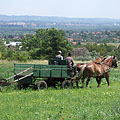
(28, 23)
(58, 19)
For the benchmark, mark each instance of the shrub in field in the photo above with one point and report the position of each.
(94, 54)
(84, 58)
(11, 54)
(87, 57)
(21, 56)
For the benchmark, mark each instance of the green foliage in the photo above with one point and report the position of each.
(8, 53)
(11, 54)
(103, 49)
(20, 56)
(2, 47)
(118, 52)
(6, 70)
(88, 57)
(83, 58)
(46, 43)
(94, 54)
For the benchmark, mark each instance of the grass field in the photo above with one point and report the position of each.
(57, 104)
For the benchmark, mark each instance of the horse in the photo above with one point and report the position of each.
(97, 70)
(79, 68)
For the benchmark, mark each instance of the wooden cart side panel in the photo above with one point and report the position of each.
(21, 67)
(50, 71)
(43, 71)
(65, 73)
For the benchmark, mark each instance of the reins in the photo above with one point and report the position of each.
(101, 63)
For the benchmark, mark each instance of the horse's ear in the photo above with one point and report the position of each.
(104, 58)
(114, 57)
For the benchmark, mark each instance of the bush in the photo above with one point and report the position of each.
(21, 56)
(83, 58)
(92, 55)
(16, 55)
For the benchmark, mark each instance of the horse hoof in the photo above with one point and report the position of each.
(81, 87)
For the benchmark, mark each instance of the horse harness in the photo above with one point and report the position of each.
(105, 71)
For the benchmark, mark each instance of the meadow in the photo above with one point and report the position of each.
(57, 104)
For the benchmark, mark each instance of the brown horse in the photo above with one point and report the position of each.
(80, 66)
(97, 70)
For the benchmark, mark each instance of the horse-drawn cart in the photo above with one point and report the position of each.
(42, 76)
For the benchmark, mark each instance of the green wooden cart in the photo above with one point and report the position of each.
(48, 75)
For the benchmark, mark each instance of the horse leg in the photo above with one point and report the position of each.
(107, 79)
(98, 81)
(77, 84)
(82, 82)
(87, 82)
(74, 81)
(72, 84)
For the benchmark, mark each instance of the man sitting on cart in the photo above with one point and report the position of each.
(58, 57)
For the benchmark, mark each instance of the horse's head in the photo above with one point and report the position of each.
(111, 61)
(114, 62)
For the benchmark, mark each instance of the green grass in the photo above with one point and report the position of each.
(72, 104)
(78, 104)
(6, 70)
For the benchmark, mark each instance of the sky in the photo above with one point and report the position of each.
(62, 8)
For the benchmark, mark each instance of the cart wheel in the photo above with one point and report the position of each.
(66, 84)
(42, 85)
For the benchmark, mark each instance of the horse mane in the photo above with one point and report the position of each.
(108, 60)
(98, 60)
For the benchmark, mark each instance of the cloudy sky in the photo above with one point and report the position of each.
(62, 8)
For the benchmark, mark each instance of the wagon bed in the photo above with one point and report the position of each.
(42, 71)
(50, 74)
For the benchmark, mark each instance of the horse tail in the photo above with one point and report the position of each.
(79, 74)
(82, 70)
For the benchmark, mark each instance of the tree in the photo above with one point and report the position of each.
(118, 53)
(2, 48)
(46, 43)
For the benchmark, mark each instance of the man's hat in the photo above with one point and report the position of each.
(60, 51)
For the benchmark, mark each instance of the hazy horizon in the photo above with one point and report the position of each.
(62, 8)
(59, 16)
